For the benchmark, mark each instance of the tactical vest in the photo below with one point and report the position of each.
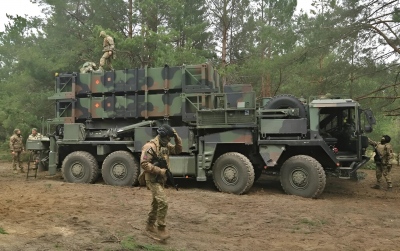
(383, 152)
(16, 143)
(162, 152)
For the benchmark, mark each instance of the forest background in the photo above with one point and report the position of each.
(345, 47)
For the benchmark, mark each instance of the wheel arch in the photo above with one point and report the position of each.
(315, 152)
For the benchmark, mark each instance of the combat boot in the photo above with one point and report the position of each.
(376, 186)
(163, 233)
(151, 231)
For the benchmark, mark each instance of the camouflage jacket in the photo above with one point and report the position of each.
(88, 67)
(35, 137)
(16, 144)
(152, 171)
(108, 44)
(384, 150)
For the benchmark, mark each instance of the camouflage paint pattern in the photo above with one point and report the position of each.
(245, 88)
(271, 153)
(283, 126)
(144, 134)
(242, 136)
(133, 93)
(183, 96)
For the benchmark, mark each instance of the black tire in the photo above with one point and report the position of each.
(257, 173)
(80, 167)
(303, 175)
(285, 101)
(120, 168)
(233, 173)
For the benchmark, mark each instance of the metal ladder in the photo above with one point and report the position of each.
(32, 167)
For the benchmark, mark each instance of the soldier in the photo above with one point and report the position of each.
(36, 154)
(35, 135)
(17, 147)
(108, 49)
(155, 178)
(88, 67)
(383, 159)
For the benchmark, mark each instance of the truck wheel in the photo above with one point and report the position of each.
(303, 175)
(120, 169)
(257, 173)
(80, 167)
(233, 173)
(285, 101)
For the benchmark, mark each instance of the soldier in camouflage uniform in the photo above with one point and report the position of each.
(108, 49)
(36, 154)
(383, 161)
(17, 147)
(155, 177)
(88, 67)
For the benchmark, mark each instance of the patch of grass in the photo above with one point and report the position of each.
(369, 166)
(2, 231)
(47, 186)
(57, 245)
(129, 243)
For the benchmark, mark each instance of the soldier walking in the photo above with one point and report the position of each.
(17, 147)
(109, 51)
(155, 178)
(383, 159)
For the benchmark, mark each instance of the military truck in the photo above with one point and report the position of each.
(229, 134)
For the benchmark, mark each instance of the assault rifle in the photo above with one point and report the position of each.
(377, 157)
(162, 163)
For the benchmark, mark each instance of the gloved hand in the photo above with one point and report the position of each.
(162, 172)
(175, 133)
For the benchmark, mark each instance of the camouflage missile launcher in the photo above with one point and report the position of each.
(229, 135)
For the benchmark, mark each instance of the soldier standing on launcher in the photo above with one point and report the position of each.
(383, 158)
(17, 147)
(108, 49)
(155, 178)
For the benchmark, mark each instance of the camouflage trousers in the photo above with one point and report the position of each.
(106, 58)
(384, 170)
(159, 205)
(35, 158)
(17, 160)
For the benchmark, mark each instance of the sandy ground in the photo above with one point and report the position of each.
(48, 214)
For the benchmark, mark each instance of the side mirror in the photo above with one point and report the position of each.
(368, 128)
(370, 117)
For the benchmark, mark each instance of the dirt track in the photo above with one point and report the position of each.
(49, 214)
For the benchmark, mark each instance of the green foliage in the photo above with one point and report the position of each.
(257, 42)
(130, 243)
(2, 231)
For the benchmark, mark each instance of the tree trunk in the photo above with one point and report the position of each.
(130, 13)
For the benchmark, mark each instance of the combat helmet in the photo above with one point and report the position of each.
(102, 33)
(165, 130)
(387, 138)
